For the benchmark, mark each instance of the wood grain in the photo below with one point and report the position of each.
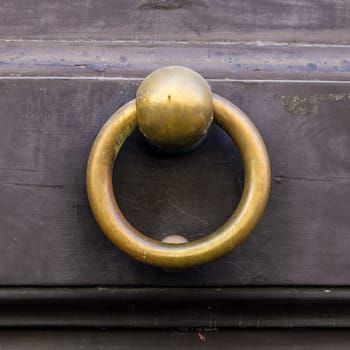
(49, 236)
(176, 308)
(174, 339)
(136, 60)
(323, 21)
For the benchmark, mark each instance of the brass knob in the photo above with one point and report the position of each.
(174, 109)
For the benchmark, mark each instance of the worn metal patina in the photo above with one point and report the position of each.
(152, 103)
(174, 108)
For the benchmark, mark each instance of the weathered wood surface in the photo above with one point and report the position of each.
(135, 61)
(174, 339)
(322, 21)
(48, 234)
(165, 308)
(66, 66)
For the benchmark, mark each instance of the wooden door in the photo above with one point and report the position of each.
(66, 66)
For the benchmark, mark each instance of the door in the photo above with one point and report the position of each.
(66, 67)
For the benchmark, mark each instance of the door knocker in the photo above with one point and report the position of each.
(174, 108)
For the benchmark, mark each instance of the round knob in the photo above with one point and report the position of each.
(174, 108)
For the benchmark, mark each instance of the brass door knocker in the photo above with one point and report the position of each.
(174, 108)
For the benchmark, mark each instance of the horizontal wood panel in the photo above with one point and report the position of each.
(184, 308)
(49, 236)
(323, 21)
(135, 61)
(174, 339)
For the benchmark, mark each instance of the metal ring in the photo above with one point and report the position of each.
(113, 223)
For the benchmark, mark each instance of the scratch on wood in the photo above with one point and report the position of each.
(279, 179)
(201, 336)
(96, 67)
(188, 214)
(172, 4)
(29, 170)
(132, 315)
(35, 185)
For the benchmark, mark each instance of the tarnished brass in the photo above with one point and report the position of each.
(174, 108)
(181, 255)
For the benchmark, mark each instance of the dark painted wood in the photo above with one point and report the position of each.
(49, 237)
(66, 66)
(322, 21)
(164, 308)
(173, 340)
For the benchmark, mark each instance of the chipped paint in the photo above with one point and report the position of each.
(336, 97)
(300, 105)
(308, 105)
(172, 4)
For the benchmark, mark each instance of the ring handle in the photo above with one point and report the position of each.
(181, 255)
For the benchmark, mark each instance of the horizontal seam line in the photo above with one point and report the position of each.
(314, 81)
(181, 42)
